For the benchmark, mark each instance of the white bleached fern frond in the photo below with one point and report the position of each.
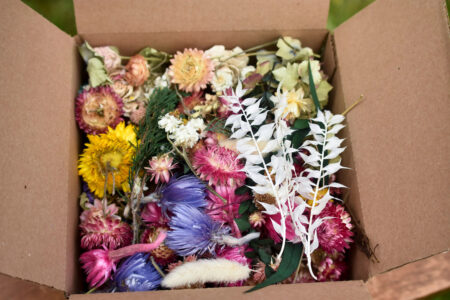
(253, 145)
(323, 147)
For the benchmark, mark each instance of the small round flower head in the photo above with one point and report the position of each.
(163, 254)
(182, 191)
(193, 231)
(137, 274)
(104, 231)
(137, 71)
(160, 168)
(96, 210)
(97, 109)
(169, 123)
(138, 114)
(334, 233)
(98, 266)
(256, 219)
(192, 70)
(219, 166)
(331, 268)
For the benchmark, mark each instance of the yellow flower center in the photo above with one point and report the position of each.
(111, 159)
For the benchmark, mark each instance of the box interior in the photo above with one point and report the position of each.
(319, 40)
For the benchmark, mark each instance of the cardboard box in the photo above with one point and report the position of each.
(394, 52)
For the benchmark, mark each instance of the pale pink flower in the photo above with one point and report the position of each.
(160, 168)
(110, 57)
(137, 70)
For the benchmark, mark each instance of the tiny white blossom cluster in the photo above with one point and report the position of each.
(184, 135)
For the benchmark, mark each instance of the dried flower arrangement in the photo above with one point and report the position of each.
(210, 168)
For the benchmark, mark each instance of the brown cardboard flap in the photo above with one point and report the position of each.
(312, 291)
(120, 16)
(18, 289)
(413, 281)
(38, 85)
(396, 54)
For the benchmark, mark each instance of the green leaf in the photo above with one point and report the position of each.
(301, 124)
(97, 72)
(298, 137)
(312, 87)
(269, 271)
(242, 190)
(244, 206)
(264, 256)
(87, 52)
(251, 254)
(243, 223)
(289, 263)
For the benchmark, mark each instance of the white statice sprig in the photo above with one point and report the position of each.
(323, 147)
(184, 135)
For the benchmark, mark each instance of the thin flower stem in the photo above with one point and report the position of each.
(155, 265)
(146, 58)
(288, 44)
(135, 208)
(360, 99)
(252, 49)
(91, 290)
(299, 265)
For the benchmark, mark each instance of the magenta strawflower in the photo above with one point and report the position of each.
(335, 232)
(152, 214)
(331, 268)
(219, 166)
(225, 212)
(160, 168)
(100, 230)
(97, 109)
(100, 263)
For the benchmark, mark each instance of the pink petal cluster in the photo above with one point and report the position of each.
(110, 57)
(335, 232)
(99, 230)
(224, 212)
(152, 214)
(160, 168)
(290, 231)
(331, 269)
(219, 166)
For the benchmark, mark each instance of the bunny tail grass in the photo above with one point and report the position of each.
(206, 270)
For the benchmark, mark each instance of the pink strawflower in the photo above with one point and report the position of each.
(137, 70)
(99, 230)
(335, 232)
(331, 269)
(152, 214)
(96, 210)
(259, 274)
(110, 57)
(100, 263)
(219, 166)
(98, 108)
(256, 219)
(138, 114)
(236, 254)
(160, 168)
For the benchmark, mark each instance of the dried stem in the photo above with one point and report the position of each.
(136, 201)
(155, 265)
(360, 99)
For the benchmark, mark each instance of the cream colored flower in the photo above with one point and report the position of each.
(295, 105)
(287, 76)
(246, 71)
(315, 70)
(223, 78)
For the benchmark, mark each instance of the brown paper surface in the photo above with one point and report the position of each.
(396, 54)
(38, 155)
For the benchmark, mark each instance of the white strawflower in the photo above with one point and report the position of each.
(169, 123)
(185, 136)
(197, 124)
(223, 79)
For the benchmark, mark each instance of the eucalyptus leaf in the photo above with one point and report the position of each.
(243, 223)
(301, 124)
(264, 256)
(97, 72)
(242, 190)
(289, 262)
(87, 52)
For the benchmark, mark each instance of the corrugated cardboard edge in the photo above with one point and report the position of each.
(396, 53)
(415, 280)
(312, 291)
(38, 179)
(118, 16)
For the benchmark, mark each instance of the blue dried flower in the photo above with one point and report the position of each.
(88, 193)
(136, 274)
(184, 190)
(193, 231)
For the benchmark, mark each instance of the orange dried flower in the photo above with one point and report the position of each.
(137, 70)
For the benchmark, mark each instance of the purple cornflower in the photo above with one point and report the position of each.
(137, 274)
(184, 190)
(193, 231)
(88, 193)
